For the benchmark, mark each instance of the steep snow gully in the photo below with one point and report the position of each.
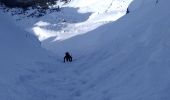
(126, 59)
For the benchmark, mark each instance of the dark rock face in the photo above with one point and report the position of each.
(27, 3)
(17, 3)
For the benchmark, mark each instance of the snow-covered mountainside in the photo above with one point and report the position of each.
(74, 19)
(20, 56)
(113, 59)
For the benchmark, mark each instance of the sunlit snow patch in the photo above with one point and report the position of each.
(42, 23)
(43, 34)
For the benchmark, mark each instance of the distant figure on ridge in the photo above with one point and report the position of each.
(67, 57)
(58, 8)
(127, 11)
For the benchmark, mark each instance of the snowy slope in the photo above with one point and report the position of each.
(123, 60)
(20, 55)
(81, 17)
(75, 19)
(15, 41)
(132, 60)
(100, 6)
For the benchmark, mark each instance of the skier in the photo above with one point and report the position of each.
(67, 57)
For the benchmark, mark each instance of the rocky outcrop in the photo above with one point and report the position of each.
(17, 3)
(26, 3)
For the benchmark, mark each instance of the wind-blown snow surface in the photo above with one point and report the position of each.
(20, 62)
(125, 60)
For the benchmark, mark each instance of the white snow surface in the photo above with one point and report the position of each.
(125, 59)
(20, 52)
(77, 18)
